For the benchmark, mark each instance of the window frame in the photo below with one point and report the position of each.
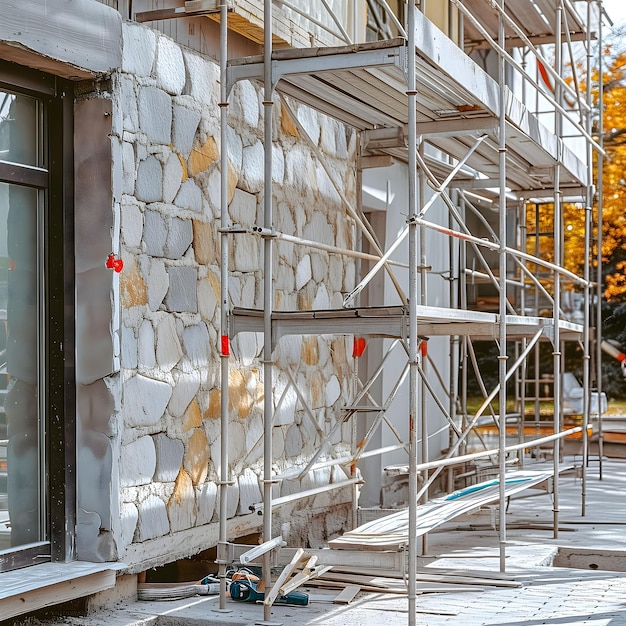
(55, 180)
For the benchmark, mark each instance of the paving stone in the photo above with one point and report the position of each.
(181, 295)
(129, 348)
(196, 344)
(206, 498)
(236, 441)
(247, 347)
(181, 507)
(234, 148)
(214, 192)
(155, 232)
(247, 250)
(172, 177)
(132, 224)
(179, 237)
(248, 98)
(249, 491)
(285, 412)
(297, 169)
(152, 519)
(333, 391)
(168, 348)
(253, 167)
(341, 142)
(185, 389)
(196, 458)
(155, 115)
(327, 187)
(319, 266)
(205, 244)
(157, 282)
(278, 442)
(149, 183)
(128, 523)
(318, 229)
(145, 400)
(309, 118)
(207, 299)
(303, 271)
(328, 136)
(170, 67)
(128, 104)
(147, 355)
(169, 457)
(243, 208)
(293, 441)
(137, 462)
(322, 299)
(202, 77)
(254, 438)
(184, 126)
(139, 49)
(189, 196)
(278, 164)
(232, 501)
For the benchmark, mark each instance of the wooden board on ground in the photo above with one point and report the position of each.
(392, 532)
(396, 585)
(434, 576)
(347, 595)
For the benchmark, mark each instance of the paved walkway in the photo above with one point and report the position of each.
(593, 595)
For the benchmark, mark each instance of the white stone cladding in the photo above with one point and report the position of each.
(167, 156)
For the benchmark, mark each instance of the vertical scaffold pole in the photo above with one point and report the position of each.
(558, 237)
(502, 357)
(587, 292)
(423, 291)
(224, 347)
(600, 198)
(268, 406)
(413, 275)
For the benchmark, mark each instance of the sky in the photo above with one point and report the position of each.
(616, 10)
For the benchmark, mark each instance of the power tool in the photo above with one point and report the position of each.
(246, 591)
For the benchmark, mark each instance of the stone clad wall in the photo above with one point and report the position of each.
(166, 172)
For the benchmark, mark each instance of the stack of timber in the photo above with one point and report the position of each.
(429, 580)
(392, 531)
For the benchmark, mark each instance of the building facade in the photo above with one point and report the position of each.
(115, 275)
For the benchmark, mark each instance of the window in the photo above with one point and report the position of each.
(35, 328)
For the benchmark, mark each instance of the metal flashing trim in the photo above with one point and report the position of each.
(74, 39)
(31, 588)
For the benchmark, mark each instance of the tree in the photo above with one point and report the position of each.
(614, 183)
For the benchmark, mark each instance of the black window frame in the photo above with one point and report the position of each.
(59, 388)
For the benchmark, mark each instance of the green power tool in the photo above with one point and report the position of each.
(246, 591)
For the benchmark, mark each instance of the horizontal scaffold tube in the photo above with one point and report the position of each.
(495, 246)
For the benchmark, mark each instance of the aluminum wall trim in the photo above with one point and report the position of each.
(443, 54)
(73, 39)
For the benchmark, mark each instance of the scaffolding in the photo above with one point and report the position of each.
(420, 98)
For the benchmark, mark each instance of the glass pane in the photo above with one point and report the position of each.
(20, 419)
(19, 129)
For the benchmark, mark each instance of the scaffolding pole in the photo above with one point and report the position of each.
(411, 94)
(268, 303)
(600, 200)
(418, 177)
(587, 292)
(503, 300)
(558, 212)
(224, 349)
